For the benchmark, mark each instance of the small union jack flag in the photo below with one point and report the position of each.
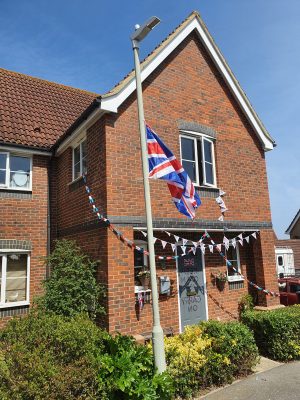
(164, 165)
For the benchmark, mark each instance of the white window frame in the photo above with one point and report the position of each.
(195, 136)
(3, 266)
(78, 144)
(7, 176)
(235, 278)
(204, 161)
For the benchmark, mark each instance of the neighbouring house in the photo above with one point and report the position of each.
(288, 247)
(50, 134)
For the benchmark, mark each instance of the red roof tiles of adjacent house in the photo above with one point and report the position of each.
(36, 112)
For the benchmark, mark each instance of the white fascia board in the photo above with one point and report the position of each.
(112, 103)
(79, 132)
(25, 151)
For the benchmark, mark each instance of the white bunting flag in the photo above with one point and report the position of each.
(219, 247)
(241, 236)
(173, 247)
(183, 248)
(241, 242)
(168, 233)
(195, 244)
(226, 242)
(154, 240)
(202, 248)
(233, 242)
(194, 250)
(211, 248)
(176, 238)
(222, 193)
(254, 235)
(163, 243)
(221, 218)
(247, 239)
(144, 233)
(184, 241)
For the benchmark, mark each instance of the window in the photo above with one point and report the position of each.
(14, 279)
(198, 160)
(79, 160)
(232, 255)
(15, 171)
(140, 259)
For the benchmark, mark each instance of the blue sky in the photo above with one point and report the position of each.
(86, 44)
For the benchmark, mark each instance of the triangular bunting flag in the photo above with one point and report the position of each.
(219, 247)
(173, 247)
(221, 218)
(241, 242)
(247, 239)
(202, 248)
(222, 193)
(176, 238)
(184, 241)
(254, 235)
(240, 236)
(233, 242)
(144, 233)
(195, 244)
(211, 248)
(163, 243)
(154, 240)
(168, 233)
(194, 250)
(183, 248)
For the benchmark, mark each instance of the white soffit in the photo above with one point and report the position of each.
(111, 102)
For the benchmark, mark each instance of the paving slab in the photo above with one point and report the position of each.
(279, 383)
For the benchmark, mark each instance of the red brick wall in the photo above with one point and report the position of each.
(26, 219)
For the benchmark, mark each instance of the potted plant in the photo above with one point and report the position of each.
(221, 279)
(144, 278)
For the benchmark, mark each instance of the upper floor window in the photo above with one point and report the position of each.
(15, 171)
(14, 279)
(198, 159)
(79, 159)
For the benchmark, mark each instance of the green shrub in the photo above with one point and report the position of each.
(234, 341)
(71, 288)
(277, 332)
(246, 303)
(212, 353)
(50, 357)
(129, 372)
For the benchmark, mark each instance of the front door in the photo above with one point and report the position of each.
(191, 289)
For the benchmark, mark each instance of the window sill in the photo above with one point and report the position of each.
(235, 278)
(13, 189)
(15, 304)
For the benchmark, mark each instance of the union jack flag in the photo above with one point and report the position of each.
(164, 165)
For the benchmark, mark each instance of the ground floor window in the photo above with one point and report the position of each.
(14, 279)
(233, 255)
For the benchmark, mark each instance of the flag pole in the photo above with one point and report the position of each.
(157, 332)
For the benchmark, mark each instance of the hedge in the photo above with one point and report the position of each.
(277, 332)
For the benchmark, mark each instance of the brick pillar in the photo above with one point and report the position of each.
(121, 297)
(265, 267)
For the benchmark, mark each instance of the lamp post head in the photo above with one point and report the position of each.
(142, 31)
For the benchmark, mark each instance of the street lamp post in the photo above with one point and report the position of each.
(157, 332)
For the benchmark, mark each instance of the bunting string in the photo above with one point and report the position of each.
(229, 265)
(133, 246)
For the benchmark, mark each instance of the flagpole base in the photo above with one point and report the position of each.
(158, 348)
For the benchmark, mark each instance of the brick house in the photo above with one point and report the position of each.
(53, 134)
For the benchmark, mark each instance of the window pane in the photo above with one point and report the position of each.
(77, 173)
(3, 161)
(20, 164)
(138, 258)
(16, 278)
(280, 261)
(187, 149)
(207, 150)
(190, 169)
(77, 155)
(84, 167)
(2, 177)
(83, 148)
(209, 173)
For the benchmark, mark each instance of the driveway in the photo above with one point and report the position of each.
(280, 383)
